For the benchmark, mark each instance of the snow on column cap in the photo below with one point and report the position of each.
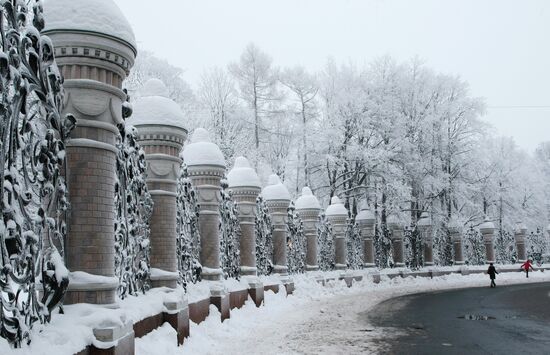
(275, 190)
(365, 215)
(521, 228)
(243, 175)
(99, 16)
(487, 226)
(393, 222)
(336, 208)
(454, 225)
(201, 150)
(155, 108)
(307, 200)
(425, 221)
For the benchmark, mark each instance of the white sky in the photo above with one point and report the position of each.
(500, 47)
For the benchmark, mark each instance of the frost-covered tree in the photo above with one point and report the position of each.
(413, 248)
(325, 242)
(230, 234)
(264, 238)
(296, 242)
(187, 229)
(504, 247)
(474, 248)
(32, 153)
(133, 209)
(354, 246)
(536, 246)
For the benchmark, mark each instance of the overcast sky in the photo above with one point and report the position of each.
(501, 48)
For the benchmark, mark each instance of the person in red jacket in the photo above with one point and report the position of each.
(526, 266)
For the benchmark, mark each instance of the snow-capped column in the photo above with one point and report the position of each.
(455, 232)
(277, 199)
(337, 215)
(487, 229)
(206, 167)
(94, 59)
(159, 121)
(425, 227)
(397, 235)
(366, 220)
(308, 208)
(519, 234)
(245, 187)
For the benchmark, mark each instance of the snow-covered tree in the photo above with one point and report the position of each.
(133, 209)
(296, 242)
(536, 245)
(413, 248)
(504, 247)
(325, 242)
(187, 229)
(354, 246)
(230, 234)
(474, 248)
(32, 153)
(264, 238)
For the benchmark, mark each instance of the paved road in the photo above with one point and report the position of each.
(504, 320)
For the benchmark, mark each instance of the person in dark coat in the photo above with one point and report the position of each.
(526, 266)
(492, 274)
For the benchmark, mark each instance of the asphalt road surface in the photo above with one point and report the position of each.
(502, 320)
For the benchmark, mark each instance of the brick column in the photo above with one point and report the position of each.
(277, 199)
(519, 234)
(424, 226)
(397, 235)
(455, 231)
(337, 215)
(308, 209)
(94, 65)
(206, 167)
(159, 122)
(487, 229)
(244, 185)
(366, 220)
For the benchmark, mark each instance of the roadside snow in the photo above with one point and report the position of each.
(316, 319)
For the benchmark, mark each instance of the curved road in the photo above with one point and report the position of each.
(504, 320)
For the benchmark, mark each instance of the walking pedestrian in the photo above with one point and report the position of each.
(526, 266)
(492, 274)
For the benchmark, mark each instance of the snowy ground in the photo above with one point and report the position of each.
(314, 320)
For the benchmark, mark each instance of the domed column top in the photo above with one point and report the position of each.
(93, 40)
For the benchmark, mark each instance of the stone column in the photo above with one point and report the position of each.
(337, 215)
(455, 232)
(94, 62)
(244, 185)
(277, 199)
(487, 229)
(308, 208)
(366, 220)
(206, 167)
(425, 227)
(159, 122)
(397, 235)
(519, 234)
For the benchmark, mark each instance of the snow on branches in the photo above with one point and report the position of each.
(187, 229)
(325, 242)
(296, 242)
(230, 234)
(353, 246)
(32, 153)
(133, 209)
(264, 238)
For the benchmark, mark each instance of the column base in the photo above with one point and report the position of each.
(163, 278)
(177, 315)
(459, 262)
(249, 271)
(399, 264)
(120, 335)
(369, 265)
(280, 269)
(93, 289)
(429, 263)
(209, 274)
(312, 268)
(340, 267)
